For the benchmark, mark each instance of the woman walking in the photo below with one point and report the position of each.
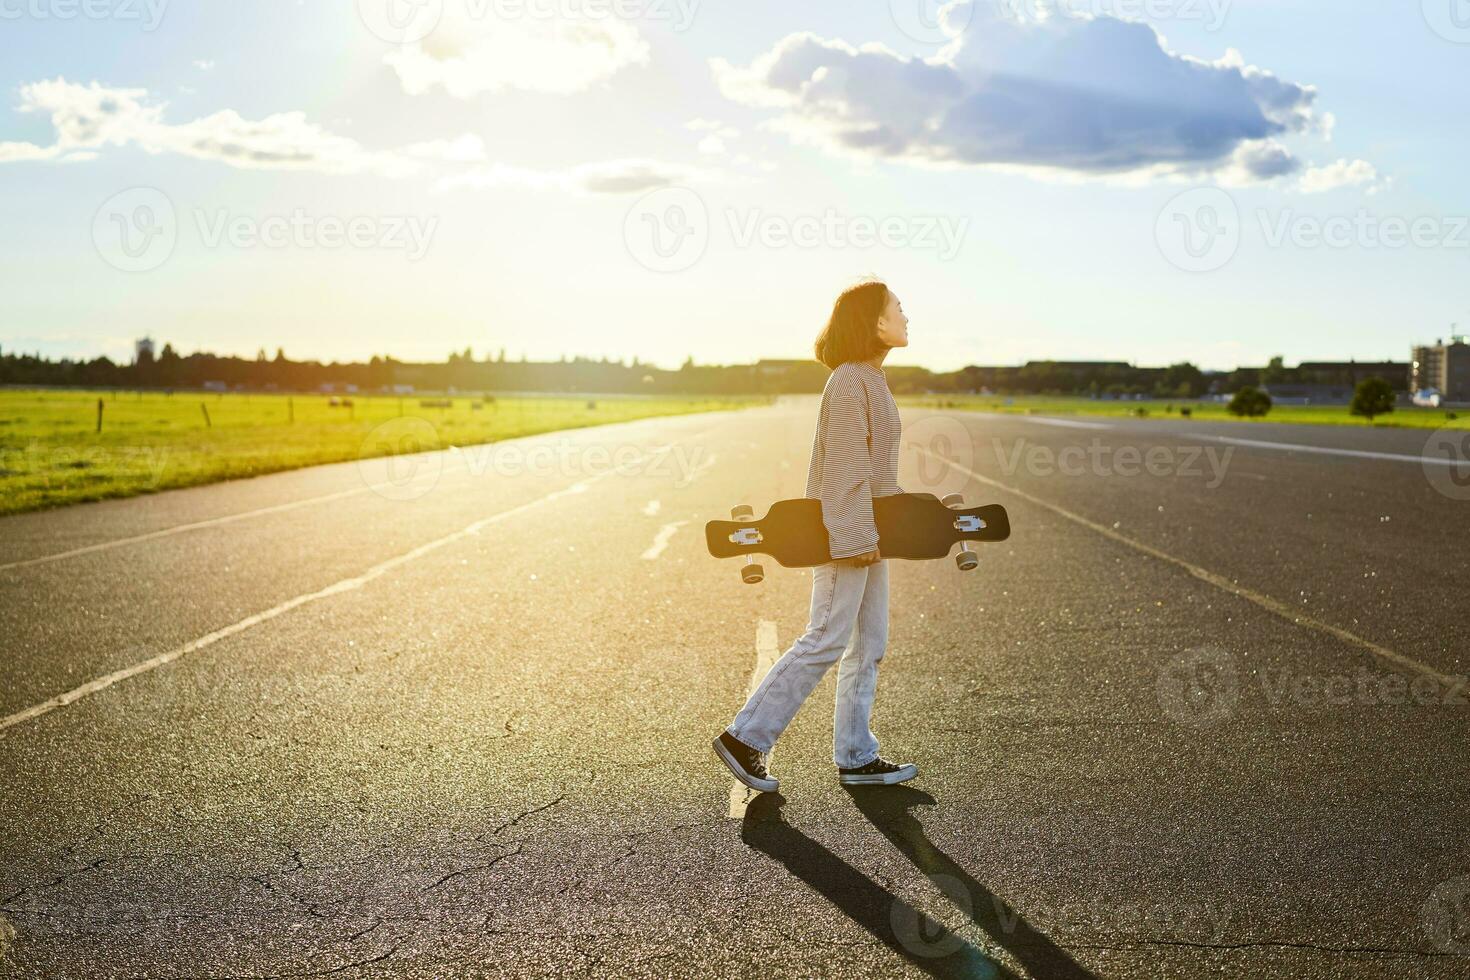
(854, 459)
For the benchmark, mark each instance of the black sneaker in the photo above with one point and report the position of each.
(879, 772)
(748, 765)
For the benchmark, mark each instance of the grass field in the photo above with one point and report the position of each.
(1416, 418)
(52, 454)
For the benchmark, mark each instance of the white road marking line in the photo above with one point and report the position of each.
(1328, 451)
(661, 540)
(766, 654)
(1042, 420)
(651, 508)
(1287, 612)
(217, 521)
(1063, 423)
(336, 588)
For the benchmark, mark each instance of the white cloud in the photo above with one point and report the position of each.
(204, 64)
(17, 152)
(1338, 174)
(717, 137)
(90, 117)
(467, 148)
(1083, 96)
(283, 141)
(625, 176)
(467, 56)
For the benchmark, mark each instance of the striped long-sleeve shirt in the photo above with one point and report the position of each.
(845, 474)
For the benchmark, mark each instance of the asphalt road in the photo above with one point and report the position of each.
(1202, 716)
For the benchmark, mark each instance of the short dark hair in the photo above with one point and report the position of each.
(851, 333)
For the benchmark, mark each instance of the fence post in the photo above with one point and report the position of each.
(205, 409)
(99, 415)
(290, 409)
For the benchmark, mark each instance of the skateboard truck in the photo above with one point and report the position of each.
(751, 572)
(967, 560)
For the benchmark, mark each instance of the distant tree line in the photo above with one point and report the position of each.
(463, 371)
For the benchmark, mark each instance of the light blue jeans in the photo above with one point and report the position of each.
(849, 620)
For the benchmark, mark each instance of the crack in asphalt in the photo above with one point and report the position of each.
(474, 868)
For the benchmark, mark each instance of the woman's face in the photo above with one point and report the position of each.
(893, 326)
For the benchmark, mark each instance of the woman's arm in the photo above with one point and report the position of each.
(845, 489)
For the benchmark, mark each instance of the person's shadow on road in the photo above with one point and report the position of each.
(889, 809)
(927, 944)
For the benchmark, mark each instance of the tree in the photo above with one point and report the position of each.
(1275, 372)
(1249, 403)
(1373, 396)
(1182, 380)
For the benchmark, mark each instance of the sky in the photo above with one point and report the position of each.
(1139, 180)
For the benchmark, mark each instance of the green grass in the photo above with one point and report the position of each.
(1412, 418)
(51, 453)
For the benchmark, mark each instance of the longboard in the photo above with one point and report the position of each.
(913, 526)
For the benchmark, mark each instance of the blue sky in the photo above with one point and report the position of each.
(1145, 180)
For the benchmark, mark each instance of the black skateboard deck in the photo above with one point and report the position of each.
(914, 526)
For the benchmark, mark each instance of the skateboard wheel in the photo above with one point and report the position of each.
(967, 560)
(751, 574)
(953, 500)
(742, 513)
